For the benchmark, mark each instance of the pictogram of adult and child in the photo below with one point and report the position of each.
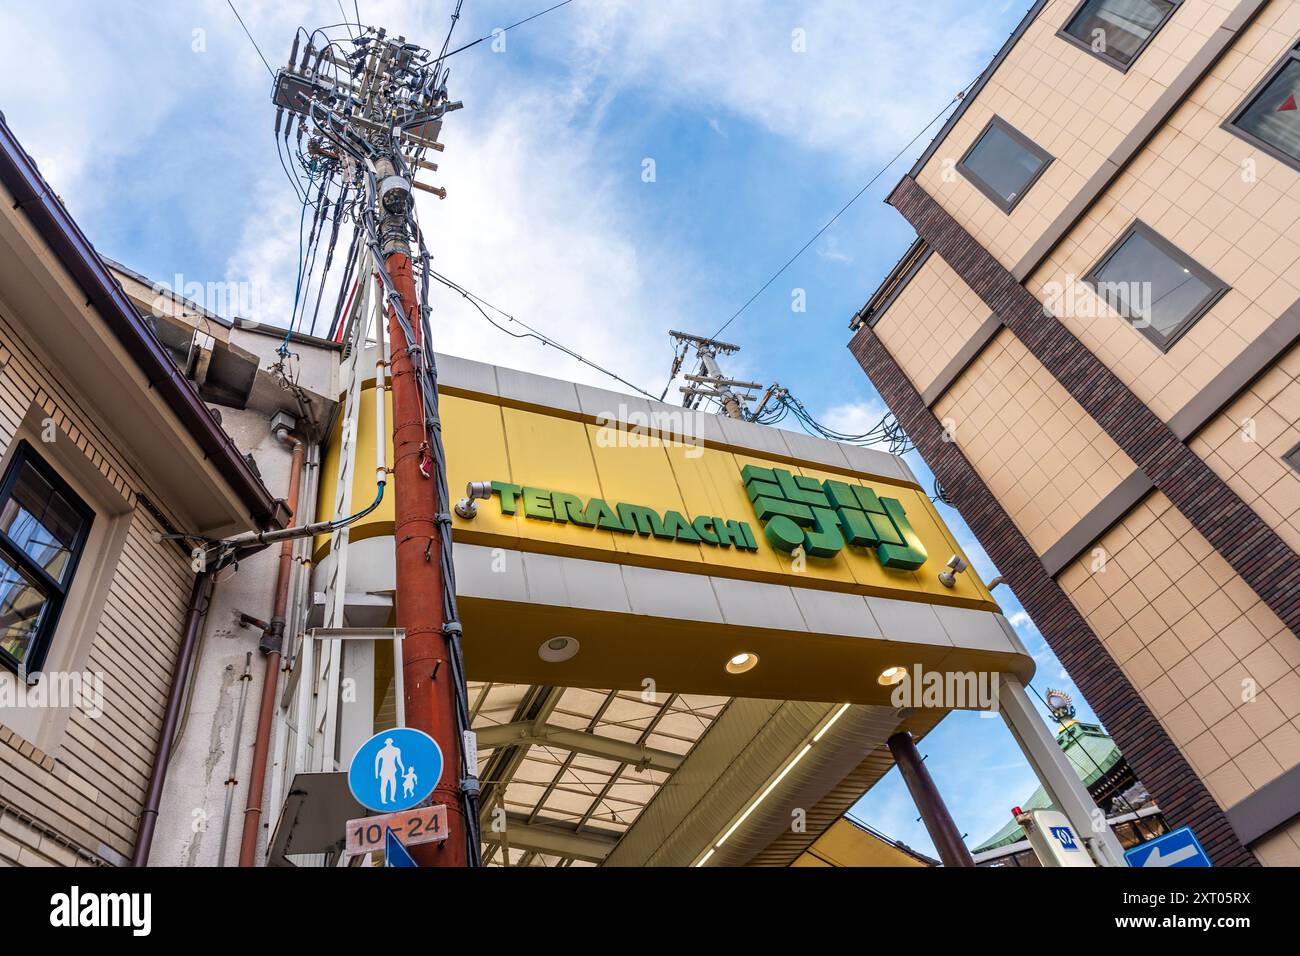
(395, 770)
(388, 763)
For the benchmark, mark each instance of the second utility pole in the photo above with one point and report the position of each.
(709, 382)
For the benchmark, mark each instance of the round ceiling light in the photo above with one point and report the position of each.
(891, 676)
(558, 649)
(742, 663)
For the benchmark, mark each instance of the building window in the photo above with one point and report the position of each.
(1292, 458)
(1117, 30)
(1270, 118)
(43, 528)
(1003, 163)
(1151, 283)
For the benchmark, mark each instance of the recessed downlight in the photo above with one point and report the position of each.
(741, 663)
(891, 676)
(559, 649)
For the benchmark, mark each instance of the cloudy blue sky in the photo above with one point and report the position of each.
(153, 122)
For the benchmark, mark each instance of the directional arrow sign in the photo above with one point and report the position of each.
(395, 854)
(1176, 848)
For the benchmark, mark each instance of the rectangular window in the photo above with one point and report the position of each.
(1117, 30)
(43, 528)
(1270, 118)
(1003, 163)
(1154, 285)
(1292, 458)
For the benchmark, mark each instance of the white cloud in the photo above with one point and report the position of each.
(860, 89)
(830, 250)
(532, 222)
(854, 418)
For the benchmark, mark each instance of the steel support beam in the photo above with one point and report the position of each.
(1056, 773)
(525, 732)
(591, 846)
(934, 813)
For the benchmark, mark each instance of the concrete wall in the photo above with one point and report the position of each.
(192, 819)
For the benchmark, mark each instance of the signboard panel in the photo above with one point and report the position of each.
(1054, 839)
(1176, 848)
(395, 854)
(602, 490)
(411, 827)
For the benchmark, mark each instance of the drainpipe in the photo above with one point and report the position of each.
(200, 599)
(272, 645)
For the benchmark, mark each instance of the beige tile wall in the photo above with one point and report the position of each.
(1070, 103)
(1188, 185)
(1253, 466)
(1038, 451)
(1210, 659)
(932, 318)
(1281, 847)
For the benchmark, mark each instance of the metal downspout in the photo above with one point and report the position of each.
(272, 647)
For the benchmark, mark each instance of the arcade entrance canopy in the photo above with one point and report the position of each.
(683, 632)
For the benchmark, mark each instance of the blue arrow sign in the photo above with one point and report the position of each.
(395, 770)
(1176, 848)
(395, 851)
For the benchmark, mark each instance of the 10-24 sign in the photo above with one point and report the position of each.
(412, 827)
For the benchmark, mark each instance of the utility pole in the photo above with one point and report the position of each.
(371, 115)
(708, 381)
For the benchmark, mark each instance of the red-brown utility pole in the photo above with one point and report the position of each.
(370, 107)
(426, 665)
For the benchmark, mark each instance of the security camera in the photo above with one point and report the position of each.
(475, 490)
(955, 567)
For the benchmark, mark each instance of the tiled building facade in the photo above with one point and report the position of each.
(1094, 344)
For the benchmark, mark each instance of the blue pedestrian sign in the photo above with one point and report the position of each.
(395, 851)
(395, 770)
(1177, 848)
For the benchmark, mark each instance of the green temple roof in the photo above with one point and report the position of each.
(1092, 754)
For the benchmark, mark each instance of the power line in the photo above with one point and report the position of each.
(345, 14)
(519, 23)
(530, 332)
(845, 208)
(250, 38)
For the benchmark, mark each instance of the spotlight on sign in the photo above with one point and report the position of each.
(956, 566)
(474, 491)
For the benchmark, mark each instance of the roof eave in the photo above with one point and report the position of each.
(46, 213)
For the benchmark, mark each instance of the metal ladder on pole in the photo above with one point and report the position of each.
(318, 686)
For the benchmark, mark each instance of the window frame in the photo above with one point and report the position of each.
(55, 591)
(1230, 124)
(1292, 458)
(1021, 139)
(1218, 288)
(1065, 34)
